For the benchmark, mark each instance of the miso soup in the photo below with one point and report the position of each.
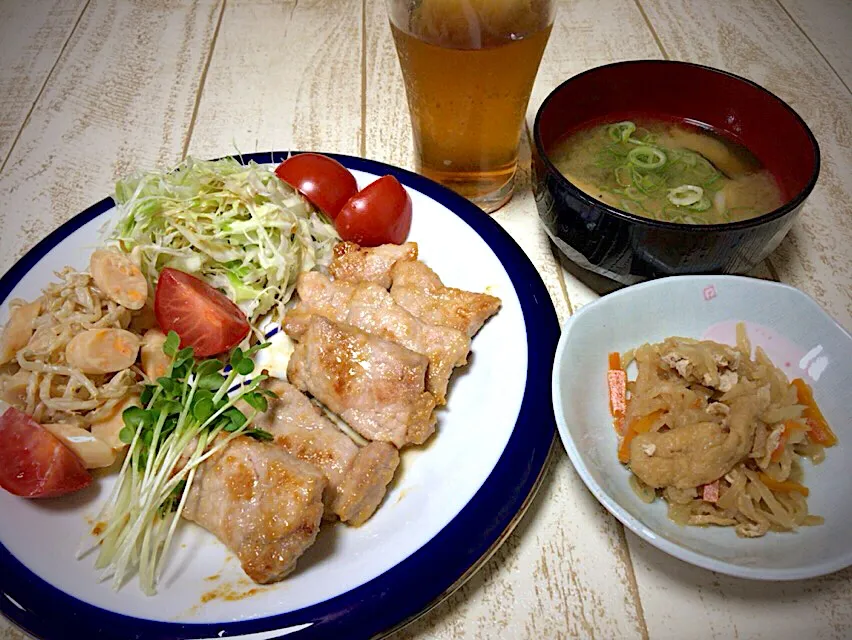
(668, 171)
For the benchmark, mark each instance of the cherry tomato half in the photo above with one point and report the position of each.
(322, 180)
(33, 462)
(204, 318)
(378, 214)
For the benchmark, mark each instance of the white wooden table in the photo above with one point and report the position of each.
(92, 89)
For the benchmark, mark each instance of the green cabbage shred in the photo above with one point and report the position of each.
(237, 227)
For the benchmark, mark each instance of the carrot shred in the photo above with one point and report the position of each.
(711, 492)
(779, 449)
(782, 442)
(819, 431)
(789, 427)
(642, 425)
(615, 360)
(787, 486)
(624, 447)
(617, 381)
(794, 425)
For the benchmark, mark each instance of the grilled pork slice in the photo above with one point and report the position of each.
(357, 477)
(377, 386)
(420, 291)
(370, 308)
(353, 263)
(261, 502)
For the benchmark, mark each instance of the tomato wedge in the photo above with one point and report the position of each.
(322, 180)
(33, 462)
(204, 318)
(378, 214)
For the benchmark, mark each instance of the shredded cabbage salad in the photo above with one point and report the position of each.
(237, 227)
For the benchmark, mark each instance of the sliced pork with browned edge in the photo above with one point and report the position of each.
(353, 263)
(357, 476)
(376, 386)
(420, 291)
(369, 307)
(261, 502)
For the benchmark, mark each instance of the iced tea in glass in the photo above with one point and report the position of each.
(469, 67)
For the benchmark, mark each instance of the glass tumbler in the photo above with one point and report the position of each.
(469, 67)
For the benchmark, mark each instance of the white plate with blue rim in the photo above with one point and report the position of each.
(797, 335)
(454, 500)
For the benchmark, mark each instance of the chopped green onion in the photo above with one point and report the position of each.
(712, 179)
(631, 206)
(644, 174)
(621, 131)
(647, 183)
(622, 176)
(634, 193)
(647, 158)
(688, 158)
(685, 195)
(701, 205)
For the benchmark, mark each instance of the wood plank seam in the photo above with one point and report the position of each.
(772, 270)
(632, 584)
(652, 30)
(813, 44)
(201, 82)
(363, 133)
(44, 84)
(561, 276)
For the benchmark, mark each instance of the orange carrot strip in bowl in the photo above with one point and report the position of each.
(642, 425)
(789, 427)
(782, 442)
(819, 431)
(624, 447)
(779, 448)
(615, 360)
(787, 486)
(795, 425)
(616, 379)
